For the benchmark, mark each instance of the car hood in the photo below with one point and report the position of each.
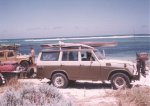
(113, 61)
(129, 65)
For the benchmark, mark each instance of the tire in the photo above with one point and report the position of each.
(1, 79)
(59, 80)
(120, 81)
(30, 73)
(24, 64)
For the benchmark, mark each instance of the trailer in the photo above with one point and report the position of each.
(9, 70)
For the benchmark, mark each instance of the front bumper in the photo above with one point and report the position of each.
(136, 77)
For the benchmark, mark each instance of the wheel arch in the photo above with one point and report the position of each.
(21, 61)
(119, 71)
(59, 71)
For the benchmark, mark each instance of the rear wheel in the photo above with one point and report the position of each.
(120, 81)
(59, 80)
(25, 64)
(30, 73)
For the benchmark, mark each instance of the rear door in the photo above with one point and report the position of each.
(48, 62)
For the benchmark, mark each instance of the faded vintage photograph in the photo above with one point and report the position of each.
(74, 52)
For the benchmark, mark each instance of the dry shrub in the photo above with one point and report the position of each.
(137, 96)
(13, 82)
(33, 95)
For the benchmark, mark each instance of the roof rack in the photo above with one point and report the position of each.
(100, 44)
(89, 45)
(65, 45)
(9, 46)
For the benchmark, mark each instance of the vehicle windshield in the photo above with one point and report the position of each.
(99, 55)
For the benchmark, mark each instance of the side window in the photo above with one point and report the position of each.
(87, 56)
(1, 54)
(70, 56)
(10, 54)
(65, 56)
(50, 56)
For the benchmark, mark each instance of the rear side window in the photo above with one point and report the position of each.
(50, 56)
(70, 56)
(10, 54)
(1, 54)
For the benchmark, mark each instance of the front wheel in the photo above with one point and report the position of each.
(59, 80)
(120, 81)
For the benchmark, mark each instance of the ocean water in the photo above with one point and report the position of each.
(128, 45)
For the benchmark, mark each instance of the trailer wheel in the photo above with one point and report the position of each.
(120, 81)
(59, 80)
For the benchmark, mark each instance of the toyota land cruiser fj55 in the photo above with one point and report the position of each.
(66, 62)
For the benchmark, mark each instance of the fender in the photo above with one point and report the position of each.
(58, 71)
(127, 72)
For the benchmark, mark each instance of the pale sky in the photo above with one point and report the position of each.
(66, 18)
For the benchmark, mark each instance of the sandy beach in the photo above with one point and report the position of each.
(90, 93)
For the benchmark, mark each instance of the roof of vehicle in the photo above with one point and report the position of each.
(6, 50)
(9, 46)
(83, 45)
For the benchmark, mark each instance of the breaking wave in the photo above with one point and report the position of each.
(3, 41)
(83, 38)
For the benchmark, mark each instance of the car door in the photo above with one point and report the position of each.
(48, 62)
(89, 66)
(70, 64)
